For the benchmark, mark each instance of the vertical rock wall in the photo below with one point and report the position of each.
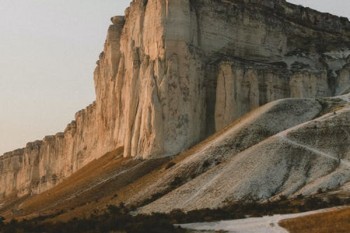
(244, 87)
(174, 71)
(43, 164)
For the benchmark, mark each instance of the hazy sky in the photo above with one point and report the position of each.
(48, 50)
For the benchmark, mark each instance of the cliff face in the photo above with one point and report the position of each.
(43, 164)
(174, 71)
(184, 69)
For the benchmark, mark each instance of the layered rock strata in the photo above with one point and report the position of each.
(174, 71)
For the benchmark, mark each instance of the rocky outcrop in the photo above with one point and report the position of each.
(174, 72)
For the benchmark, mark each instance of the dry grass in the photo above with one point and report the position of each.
(83, 193)
(114, 192)
(75, 197)
(90, 189)
(79, 180)
(330, 222)
(111, 192)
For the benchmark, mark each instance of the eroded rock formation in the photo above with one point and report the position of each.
(174, 71)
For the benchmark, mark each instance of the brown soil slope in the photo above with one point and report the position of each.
(90, 189)
(329, 222)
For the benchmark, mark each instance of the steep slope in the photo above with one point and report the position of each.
(174, 72)
(303, 159)
(286, 147)
(239, 136)
(86, 191)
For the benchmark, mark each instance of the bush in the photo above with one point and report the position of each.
(176, 182)
(169, 165)
(2, 221)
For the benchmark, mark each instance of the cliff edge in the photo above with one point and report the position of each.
(174, 72)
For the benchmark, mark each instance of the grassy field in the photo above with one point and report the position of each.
(337, 221)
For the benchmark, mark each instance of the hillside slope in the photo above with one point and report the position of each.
(172, 73)
(287, 147)
(330, 221)
(309, 156)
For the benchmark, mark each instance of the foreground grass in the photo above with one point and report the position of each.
(329, 222)
(115, 219)
(121, 218)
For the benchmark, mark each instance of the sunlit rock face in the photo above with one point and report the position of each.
(173, 72)
(184, 69)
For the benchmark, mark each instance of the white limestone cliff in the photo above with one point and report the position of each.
(174, 71)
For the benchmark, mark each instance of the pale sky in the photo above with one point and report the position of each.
(48, 50)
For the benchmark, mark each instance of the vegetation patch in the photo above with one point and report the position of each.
(121, 218)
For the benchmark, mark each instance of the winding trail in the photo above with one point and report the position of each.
(313, 150)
